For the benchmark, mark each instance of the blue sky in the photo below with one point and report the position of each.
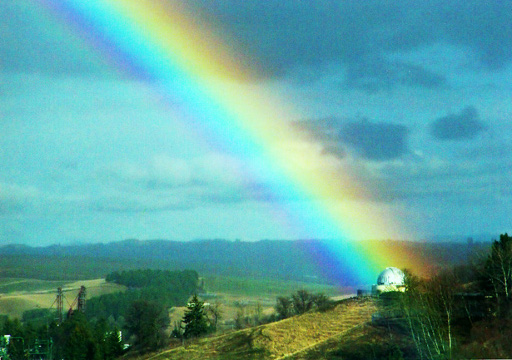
(412, 95)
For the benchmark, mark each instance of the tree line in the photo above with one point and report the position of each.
(461, 312)
(301, 302)
(164, 287)
(138, 317)
(74, 338)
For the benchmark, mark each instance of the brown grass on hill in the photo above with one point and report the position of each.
(277, 340)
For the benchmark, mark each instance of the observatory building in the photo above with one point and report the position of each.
(391, 279)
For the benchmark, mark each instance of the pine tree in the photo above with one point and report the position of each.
(113, 345)
(195, 319)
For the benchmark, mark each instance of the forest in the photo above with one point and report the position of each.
(463, 310)
(275, 259)
(137, 316)
(163, 287)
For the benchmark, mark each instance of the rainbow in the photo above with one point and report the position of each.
(164, 44)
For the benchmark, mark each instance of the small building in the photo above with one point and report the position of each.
(390, 279)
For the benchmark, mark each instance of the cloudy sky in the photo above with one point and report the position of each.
(413, 96)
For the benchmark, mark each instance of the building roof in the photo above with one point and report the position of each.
(391, 276)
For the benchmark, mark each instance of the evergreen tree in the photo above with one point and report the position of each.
(76, 340)
(113, 345)
(108, 340)
(14, 328)
(147, 321)
(195, 319)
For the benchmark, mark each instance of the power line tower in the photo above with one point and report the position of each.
(60, 304)
(81, 299)
(79, 302)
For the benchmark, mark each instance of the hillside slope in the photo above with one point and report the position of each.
(279, 340)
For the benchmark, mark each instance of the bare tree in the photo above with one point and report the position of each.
(429, 307)
(214, 313)
(498, 272)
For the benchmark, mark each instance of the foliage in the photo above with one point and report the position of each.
(284, 307)
(147, 321)
(17, 343)
(76, 340)
(195, 319)
(489, 338)
(155, 278)
(214, 314)
(38, 315)
(429, 309)
(281, 260)
(367, 351)
(108, 339)
(322, 302)
(460, 312)
(168, 288)
(177, 331)
(301, 302)
(283, 339)
(497, 274)
(61, 268)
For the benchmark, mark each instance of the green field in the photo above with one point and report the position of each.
(262, 287)
(18, 294)
(21, 295)
(12, 285)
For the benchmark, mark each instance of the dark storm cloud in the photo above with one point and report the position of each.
(376, 74)
(483, 26)
(375, 141)
(462, 126)
(286, 34)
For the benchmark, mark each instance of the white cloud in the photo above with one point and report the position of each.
(164, 183)
(15, 198)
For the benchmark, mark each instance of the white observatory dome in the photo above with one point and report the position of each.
(391, 276)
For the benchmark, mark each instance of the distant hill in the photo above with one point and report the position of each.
(287, 260)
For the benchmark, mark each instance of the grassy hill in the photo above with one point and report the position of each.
(286, 339)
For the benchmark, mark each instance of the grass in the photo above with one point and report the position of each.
(28, 294)
(232, 293)
(285, 339)
(12, 285)
(262, 287)
(19, 294)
